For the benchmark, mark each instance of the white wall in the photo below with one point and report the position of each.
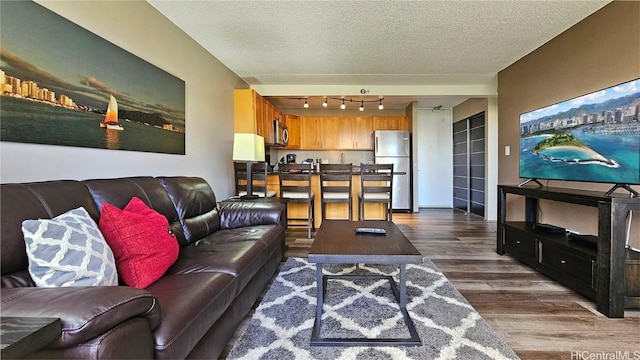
(491, 158)
(140, 29)
(435, 158)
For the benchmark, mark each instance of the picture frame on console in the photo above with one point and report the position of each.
(64, 85)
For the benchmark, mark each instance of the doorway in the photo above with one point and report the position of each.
(434, 158)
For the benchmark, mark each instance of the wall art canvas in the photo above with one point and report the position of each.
(63, 85)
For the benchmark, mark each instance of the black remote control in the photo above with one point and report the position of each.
(367, 230)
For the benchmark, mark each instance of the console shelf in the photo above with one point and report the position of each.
(596, 272)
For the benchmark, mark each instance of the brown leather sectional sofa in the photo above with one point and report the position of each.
(228, 253)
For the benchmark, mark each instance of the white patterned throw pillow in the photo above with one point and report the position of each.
(68, 250)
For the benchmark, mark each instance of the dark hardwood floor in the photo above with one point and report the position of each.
(536, 316)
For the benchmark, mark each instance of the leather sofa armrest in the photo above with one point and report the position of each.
(248, 213)
(85, 312)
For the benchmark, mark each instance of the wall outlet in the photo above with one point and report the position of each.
(507, 150)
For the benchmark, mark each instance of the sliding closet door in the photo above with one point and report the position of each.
(469, 164)
(477, 164)
(460, 166)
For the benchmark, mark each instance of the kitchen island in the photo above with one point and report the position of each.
(337, 211)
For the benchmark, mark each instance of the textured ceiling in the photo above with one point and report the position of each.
(368, 43)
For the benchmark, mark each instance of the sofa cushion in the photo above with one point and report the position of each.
(247, 213)
(42, 200)
(118, 192)
(269, 235)
(141, 241)
(195, 204)
(239, 252)
(191, 304)
(68, 250)
(231, 259)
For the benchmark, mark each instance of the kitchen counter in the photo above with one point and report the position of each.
(356, 169)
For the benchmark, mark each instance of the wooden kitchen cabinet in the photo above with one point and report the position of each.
(364, 133)
(294, 126)
(270, 113)
(320, 132)
(356, 133)
(250, 114)
(391, 123)
(346, 132)
(329, 130)
(311, 132)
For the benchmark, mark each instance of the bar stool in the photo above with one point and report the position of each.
(258, 177)
(295, 187)
(335, 186)
(376, 185)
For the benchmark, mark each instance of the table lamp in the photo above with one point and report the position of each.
(249, 148)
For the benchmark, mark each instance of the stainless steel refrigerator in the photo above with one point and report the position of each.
(394, 147)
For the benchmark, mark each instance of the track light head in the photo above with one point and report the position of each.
(343, 106)
(361, 108)
(306, 104)
(380, 107)
(325, 104)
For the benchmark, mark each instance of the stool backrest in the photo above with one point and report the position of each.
(295, 178)
(336, 178)
(258, 177)
(376, 178)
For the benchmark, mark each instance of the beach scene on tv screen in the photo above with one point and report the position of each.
(595, 137)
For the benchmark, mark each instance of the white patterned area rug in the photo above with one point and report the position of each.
(447, 324)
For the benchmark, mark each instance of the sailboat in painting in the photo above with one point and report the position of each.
(110, 121)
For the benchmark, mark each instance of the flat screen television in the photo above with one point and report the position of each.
(593, 137)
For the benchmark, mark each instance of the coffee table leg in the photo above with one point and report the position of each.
(319, 303)
(399, 294)
(403, 286)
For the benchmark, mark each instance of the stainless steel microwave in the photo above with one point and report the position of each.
(280, 133)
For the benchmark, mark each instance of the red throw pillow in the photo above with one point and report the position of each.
(141, 242)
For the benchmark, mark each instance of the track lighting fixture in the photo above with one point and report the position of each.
(343, 105)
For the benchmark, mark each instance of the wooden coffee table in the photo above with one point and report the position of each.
(337, 243)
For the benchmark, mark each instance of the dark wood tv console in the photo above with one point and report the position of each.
(596, 272)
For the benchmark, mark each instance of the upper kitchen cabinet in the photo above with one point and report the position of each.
(320, 132)
(336, 132)
(391, 123)
(294, 126)
(252, 114)
(356, 132)
(343, 132)
(271, 112)
(329, 130)
(311, 136)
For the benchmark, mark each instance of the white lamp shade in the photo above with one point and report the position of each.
(248, 147)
